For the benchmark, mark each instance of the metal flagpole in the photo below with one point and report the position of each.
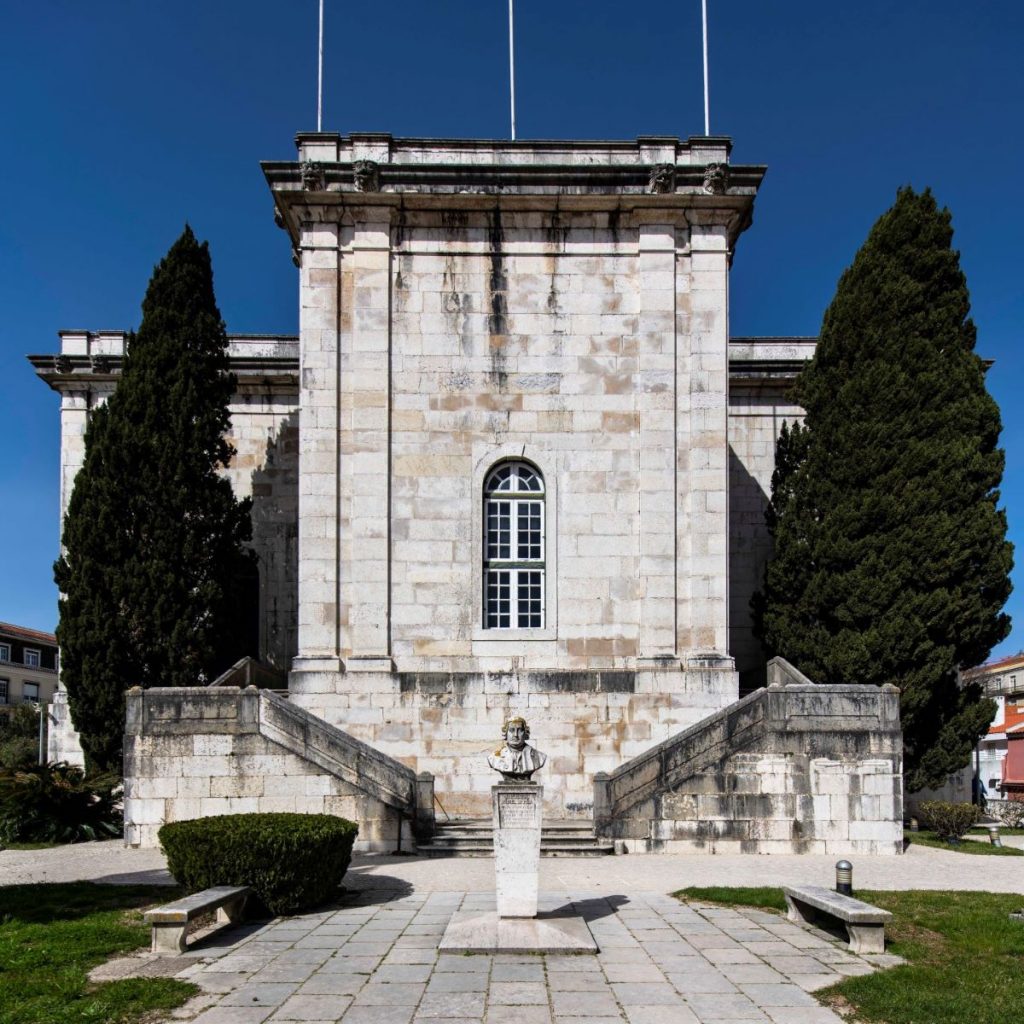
(512, 67)
(320, 73)
(707, 109)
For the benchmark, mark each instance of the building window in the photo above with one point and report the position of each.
(30, 658)
(30, 692)
(5, 652)
(514, 547)
(4, 688)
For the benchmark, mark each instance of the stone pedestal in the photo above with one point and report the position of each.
(517, 818)
(516, 927)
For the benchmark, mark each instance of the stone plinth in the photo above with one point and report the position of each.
(489, 933)
(517, 820)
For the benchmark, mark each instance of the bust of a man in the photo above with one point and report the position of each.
(515, 758)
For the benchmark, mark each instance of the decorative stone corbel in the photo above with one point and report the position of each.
(62, 364)
(367, 175)
(663, 179)
(313, 177)
(99, 364)
(716, 179)
(296, 256)
(278, 217)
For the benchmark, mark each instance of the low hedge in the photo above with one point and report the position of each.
(292, 861)
(948, 820)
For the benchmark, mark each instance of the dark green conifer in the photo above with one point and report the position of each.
(891, 562)
(153, 537)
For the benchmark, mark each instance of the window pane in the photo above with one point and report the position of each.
(499, 586)
(32, 659)
(530, 599)
(499, 529)
(529, 538)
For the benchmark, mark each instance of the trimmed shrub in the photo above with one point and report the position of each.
(292, 861)
(947, 820)
(58, 803)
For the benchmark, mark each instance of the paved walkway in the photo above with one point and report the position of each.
(373, 958)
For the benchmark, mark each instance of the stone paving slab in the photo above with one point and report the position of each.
(373, 959)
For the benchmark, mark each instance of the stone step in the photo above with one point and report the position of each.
(475, 838)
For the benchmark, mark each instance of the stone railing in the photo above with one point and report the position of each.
(337, 753)
(766, 757)
(200, 751)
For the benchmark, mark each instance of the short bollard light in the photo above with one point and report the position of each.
(993, 835)
(914, 826)
(844, 878)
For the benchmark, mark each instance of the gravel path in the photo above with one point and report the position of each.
(919, 868)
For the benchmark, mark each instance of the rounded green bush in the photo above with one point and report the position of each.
(292, 861)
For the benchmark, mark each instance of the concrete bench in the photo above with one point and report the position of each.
(865, 924)
(170, 922)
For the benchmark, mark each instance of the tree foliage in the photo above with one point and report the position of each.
(891, 563)
(153, 537)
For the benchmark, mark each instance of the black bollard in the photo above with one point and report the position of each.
(844, 878)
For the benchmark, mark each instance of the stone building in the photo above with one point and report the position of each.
(513, 463)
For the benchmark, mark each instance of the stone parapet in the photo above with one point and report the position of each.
(795, 767)
(199, 752)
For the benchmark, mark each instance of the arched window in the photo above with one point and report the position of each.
(514, 547)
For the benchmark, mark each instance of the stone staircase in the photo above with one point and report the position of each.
(475, 838)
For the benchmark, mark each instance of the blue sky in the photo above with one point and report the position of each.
(123, 120)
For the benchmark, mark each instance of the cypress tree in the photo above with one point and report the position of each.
(153, 537)
(891, 563)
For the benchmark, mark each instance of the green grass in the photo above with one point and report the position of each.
(1004, 830)
(963, 952)
(965, 846)
(52, 935)
(29, 846)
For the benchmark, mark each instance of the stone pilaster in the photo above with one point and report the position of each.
(366, 441)
(702, 405)
(318, 450)
(657, 356)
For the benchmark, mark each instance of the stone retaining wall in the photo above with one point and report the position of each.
(793, 768)
(200, 752)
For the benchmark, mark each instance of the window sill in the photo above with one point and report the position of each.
(516, 635)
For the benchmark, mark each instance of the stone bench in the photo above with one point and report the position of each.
(865, 924)
(170, 922)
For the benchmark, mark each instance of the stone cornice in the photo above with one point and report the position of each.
(647, 174)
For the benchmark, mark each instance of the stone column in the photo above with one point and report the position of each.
(657, 357)
(702, 408)
(517, 822)
(366, 442)
(319, 311)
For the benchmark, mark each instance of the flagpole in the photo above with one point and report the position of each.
(320, 73)
(707, 108)
(512, 67)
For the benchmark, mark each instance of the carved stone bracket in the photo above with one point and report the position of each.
(716, 179)
(296, 256)
(100, 364)
(278, 218)
(663, 179)
(62, 364)
(367, 175)
(313, 177)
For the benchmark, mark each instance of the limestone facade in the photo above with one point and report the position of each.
(463, 304)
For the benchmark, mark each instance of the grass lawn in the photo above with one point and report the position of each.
(971, 846)
(963, 952)
(52, 935)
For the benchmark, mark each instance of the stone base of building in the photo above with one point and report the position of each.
(586, 722)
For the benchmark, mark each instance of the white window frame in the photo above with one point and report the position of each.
(38, 663)
(516, 499)
(5, 652)
(494, 641)
(5, 691)
(25, 696)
